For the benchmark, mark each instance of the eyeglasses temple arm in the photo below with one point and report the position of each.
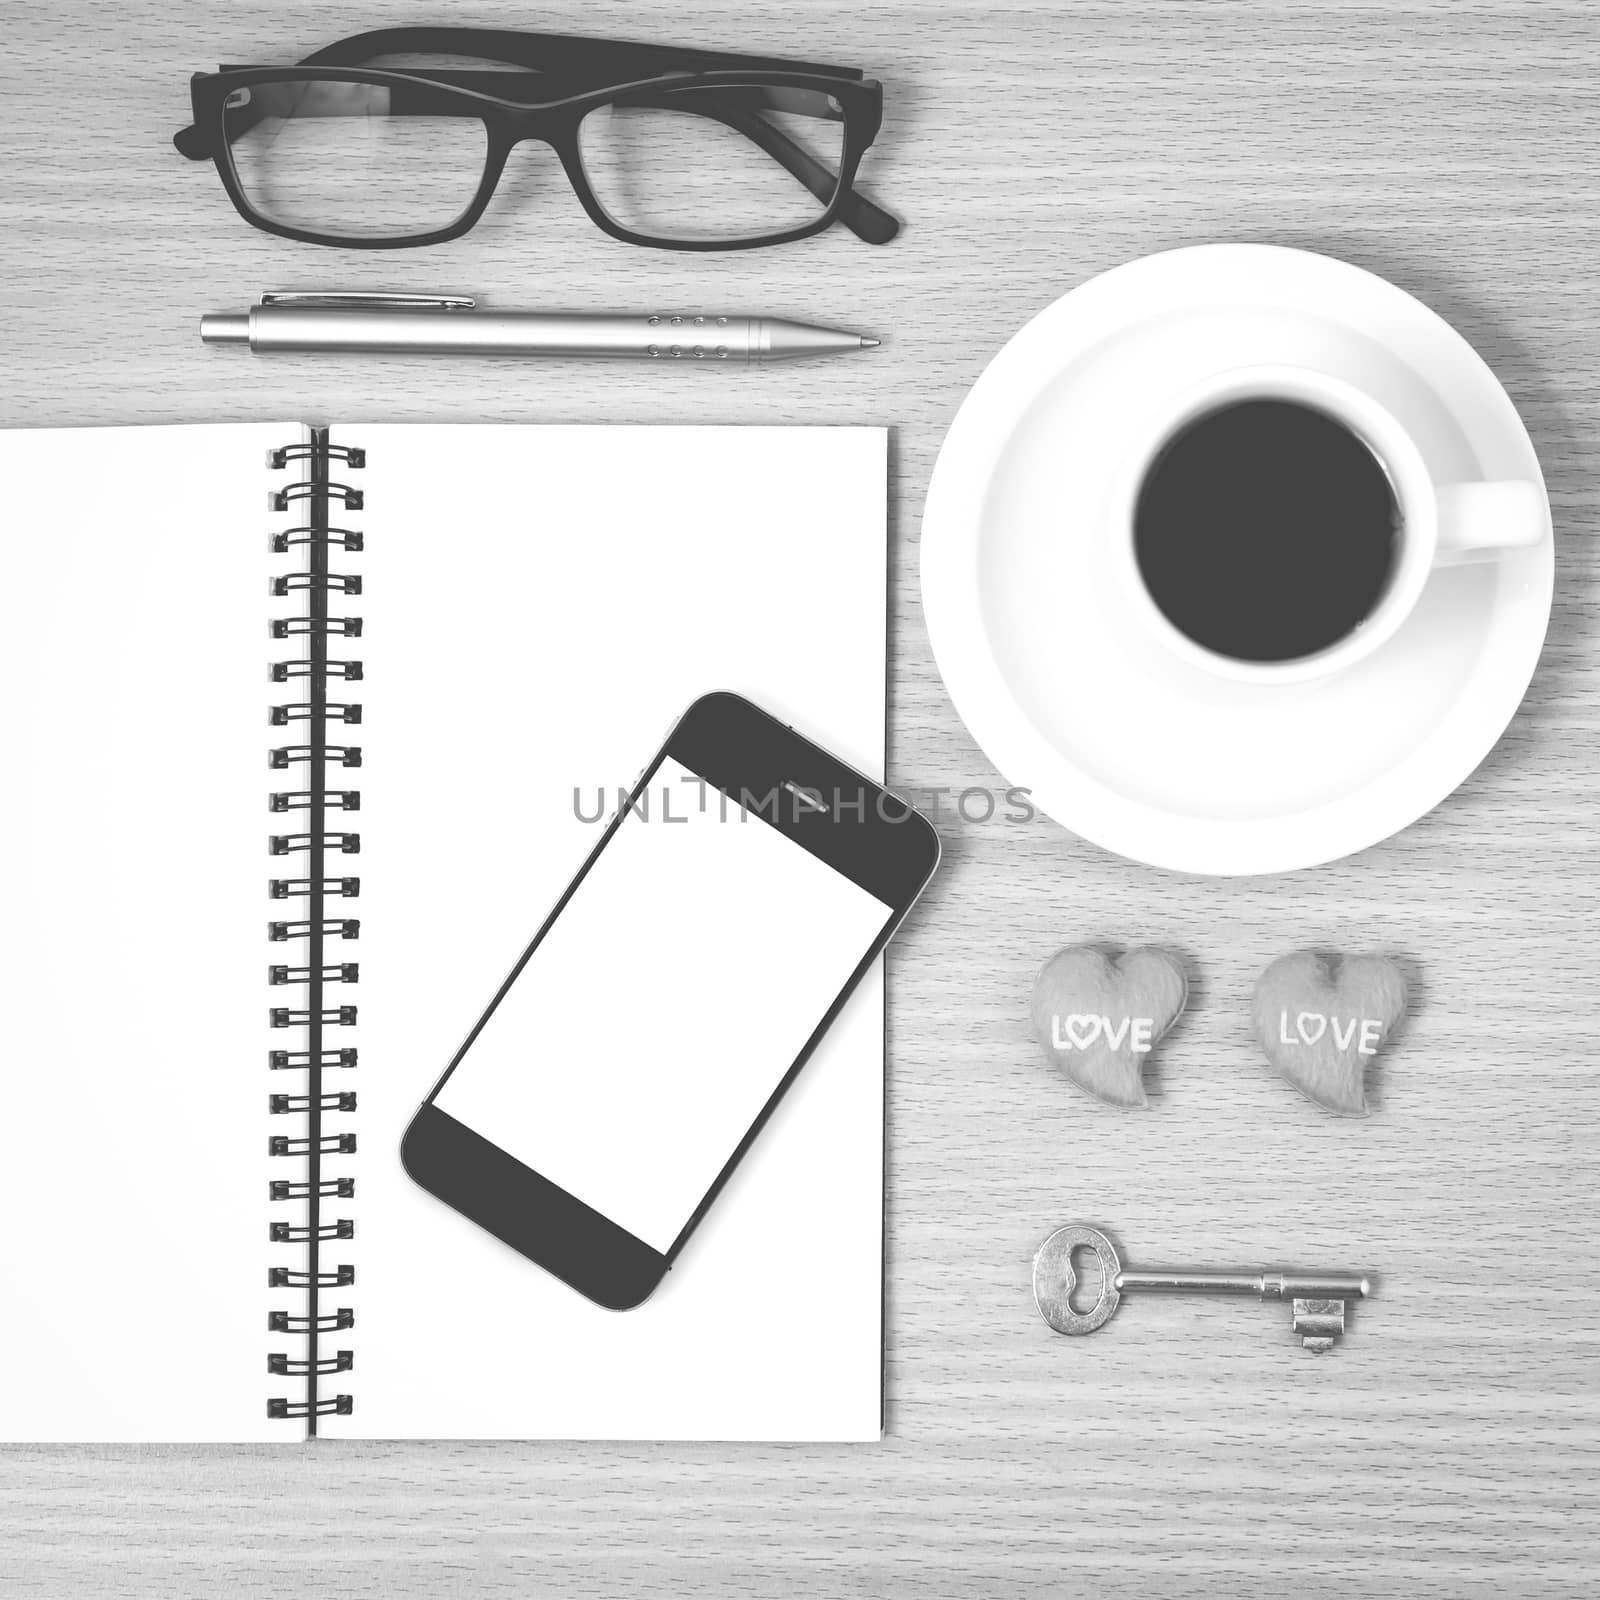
(571, 53)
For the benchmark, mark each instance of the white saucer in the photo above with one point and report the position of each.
(1122, 742)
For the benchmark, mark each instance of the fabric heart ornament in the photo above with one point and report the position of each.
(1321, 1019)
(1098, 1018)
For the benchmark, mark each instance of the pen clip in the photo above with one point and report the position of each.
(355, 299)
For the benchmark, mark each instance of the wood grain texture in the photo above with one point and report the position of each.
(1450, 1446)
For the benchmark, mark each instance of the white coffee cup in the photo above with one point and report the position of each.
(1439, 524)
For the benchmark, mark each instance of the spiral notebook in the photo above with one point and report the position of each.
(305, 730)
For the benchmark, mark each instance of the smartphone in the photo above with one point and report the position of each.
(669, 999)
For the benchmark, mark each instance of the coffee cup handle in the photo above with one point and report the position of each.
(1479, 520)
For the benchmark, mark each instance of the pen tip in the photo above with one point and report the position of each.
(869, 344)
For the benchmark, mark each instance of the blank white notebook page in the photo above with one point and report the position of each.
(540, 604)
(133, 954)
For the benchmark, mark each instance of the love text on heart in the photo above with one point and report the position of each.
(1309, 1027)
(1081, 1029)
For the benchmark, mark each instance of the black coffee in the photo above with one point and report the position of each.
(1266, 531)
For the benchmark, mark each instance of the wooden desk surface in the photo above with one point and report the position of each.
(1450, 1446)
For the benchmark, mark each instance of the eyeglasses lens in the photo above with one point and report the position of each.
(352, 159)
(715, 164)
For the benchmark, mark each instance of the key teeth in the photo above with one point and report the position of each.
(1319, 1324)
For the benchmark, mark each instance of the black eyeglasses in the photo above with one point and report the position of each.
(679, 149)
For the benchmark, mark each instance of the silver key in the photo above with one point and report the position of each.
(1318, 1300)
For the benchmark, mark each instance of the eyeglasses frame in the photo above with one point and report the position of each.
(509, 122)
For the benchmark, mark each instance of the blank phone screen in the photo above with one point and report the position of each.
(663, 1007)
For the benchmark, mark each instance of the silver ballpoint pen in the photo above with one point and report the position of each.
(408, 324)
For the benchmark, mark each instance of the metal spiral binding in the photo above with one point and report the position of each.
(312, 887)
